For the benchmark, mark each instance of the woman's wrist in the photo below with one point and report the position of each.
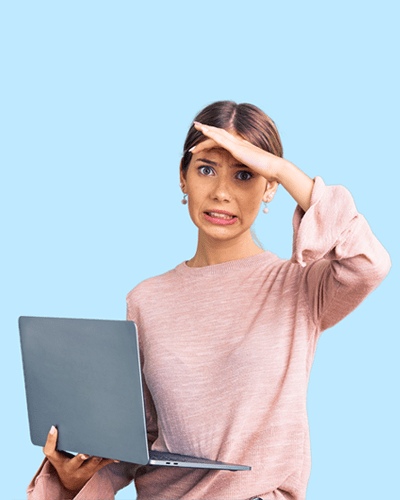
(298, 184)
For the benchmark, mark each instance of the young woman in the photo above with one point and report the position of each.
(228, 337)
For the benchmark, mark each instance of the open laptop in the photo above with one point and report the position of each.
(84, 377)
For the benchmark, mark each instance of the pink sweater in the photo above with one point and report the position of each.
(227, 351)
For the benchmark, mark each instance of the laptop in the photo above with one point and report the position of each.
(84, 377)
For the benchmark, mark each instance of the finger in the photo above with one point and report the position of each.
(66, 454)
(51, 438)
(51, 442)
(107, 461)
(204, 145)
(203, 126)
(77, 461)
(93, 462)
(213, 131)
(207, 129)
(221, 137)
(96, 463)
(199, 125)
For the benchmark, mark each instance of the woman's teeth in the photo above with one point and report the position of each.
(220, 216)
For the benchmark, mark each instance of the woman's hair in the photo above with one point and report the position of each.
(245, 119)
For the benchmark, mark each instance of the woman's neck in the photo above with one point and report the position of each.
(210, 251)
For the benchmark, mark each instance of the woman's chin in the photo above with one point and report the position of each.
(220, 233)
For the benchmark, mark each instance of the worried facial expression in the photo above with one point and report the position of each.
(224, 195)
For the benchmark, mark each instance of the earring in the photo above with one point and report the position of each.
(184, 201)
(269, 198)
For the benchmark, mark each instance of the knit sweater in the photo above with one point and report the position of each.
(226, 355)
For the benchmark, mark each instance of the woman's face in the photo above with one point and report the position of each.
(224, 196)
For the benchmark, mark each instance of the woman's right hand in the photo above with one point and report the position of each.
(74, 471)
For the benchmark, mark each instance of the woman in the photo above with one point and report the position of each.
(228, 338)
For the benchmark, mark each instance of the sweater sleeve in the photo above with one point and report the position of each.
(343, 261)
(103, 485)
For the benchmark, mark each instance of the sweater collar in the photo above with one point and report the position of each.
(260, 259)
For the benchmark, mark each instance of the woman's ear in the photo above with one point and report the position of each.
(270, 191)
(182, 177)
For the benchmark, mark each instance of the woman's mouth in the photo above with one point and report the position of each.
(219, 218)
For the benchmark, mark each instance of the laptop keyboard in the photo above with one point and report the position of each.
(174, 457)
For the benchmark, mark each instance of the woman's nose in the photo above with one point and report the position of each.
(222, 191)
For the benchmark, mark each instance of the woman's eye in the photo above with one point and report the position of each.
(243, 175)
(205, 170)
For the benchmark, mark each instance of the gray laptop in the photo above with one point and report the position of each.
(84, 377)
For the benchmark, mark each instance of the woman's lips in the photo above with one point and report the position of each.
(220, 218)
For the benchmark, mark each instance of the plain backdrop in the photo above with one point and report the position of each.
(96, 100)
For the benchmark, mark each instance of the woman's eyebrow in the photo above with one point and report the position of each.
(214, 164)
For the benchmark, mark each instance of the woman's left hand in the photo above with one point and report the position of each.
(262, 162)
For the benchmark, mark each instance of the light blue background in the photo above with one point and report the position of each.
(96, 100)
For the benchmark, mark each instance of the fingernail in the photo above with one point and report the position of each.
(116, 461)
(84, 457)
(191, 149)
(52, 430)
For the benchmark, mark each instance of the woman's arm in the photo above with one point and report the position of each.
(296, 183)
(344, 261)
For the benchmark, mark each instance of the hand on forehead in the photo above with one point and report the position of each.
(211, 148)
(218, 140)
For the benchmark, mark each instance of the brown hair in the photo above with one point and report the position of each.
(245, 119)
